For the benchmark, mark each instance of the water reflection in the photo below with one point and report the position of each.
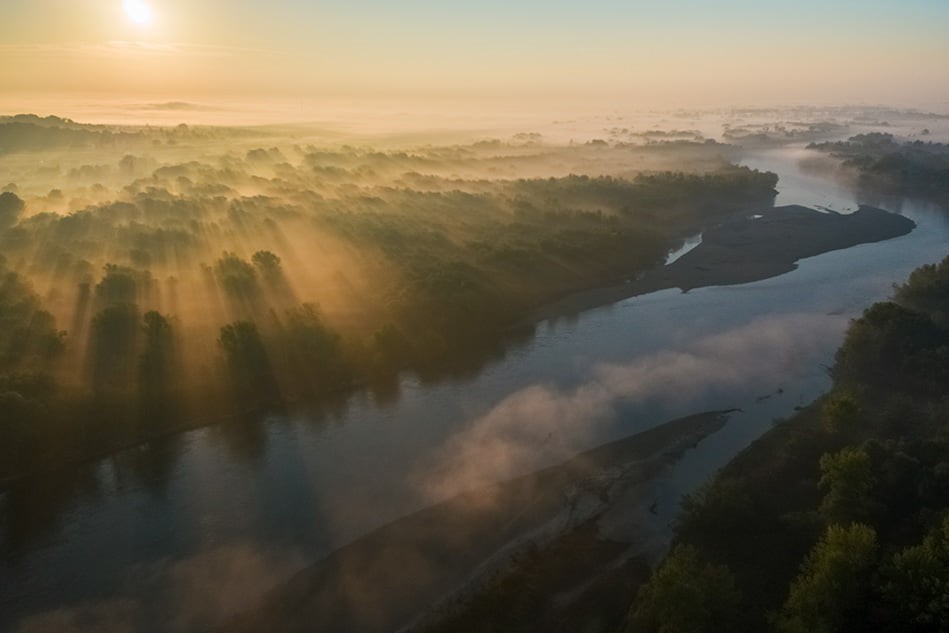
(33, 508)
(263, 493)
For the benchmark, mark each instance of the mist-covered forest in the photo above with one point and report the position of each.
(160, 278)
(885, 164)
(834, 520)
(847, 501)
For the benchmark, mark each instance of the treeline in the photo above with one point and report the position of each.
(911, 168)
(247, 283)
(29, 135)
(837, 519)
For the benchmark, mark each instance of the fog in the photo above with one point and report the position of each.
(194, 593)
(174, 273)
(167, 276)
(540, 424)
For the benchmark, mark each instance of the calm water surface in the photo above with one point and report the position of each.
(227, 514)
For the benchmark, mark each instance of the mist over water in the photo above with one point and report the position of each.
(232, 509)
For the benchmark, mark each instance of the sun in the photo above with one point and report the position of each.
(138, 11)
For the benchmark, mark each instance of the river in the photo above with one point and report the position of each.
(174, 536)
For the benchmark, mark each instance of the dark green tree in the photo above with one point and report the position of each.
(11, 206)
(268, 264)
(841, 412)
(155, 364)
(313, 349)
(917, 584)
(115, 333)
(687, 595)
(848, 482)
(239, 280)
(833, 589)
(248, 360)
(927, 290)
(118, 285)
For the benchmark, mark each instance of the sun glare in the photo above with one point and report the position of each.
(138, 11)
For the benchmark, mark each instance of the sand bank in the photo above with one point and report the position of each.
(427, 562)
(746, 249)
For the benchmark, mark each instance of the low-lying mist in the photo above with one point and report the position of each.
(158, 277)
(541, 424)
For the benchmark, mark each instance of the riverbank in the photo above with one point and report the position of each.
(746, 249)
(740, 250)
(422, 567)
(782, 521)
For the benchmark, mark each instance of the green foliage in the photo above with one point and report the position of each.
(917, 583)
(848, 482)
(834, 586)
(390, 346)
(893, 346)
(314, 351)
(423, 260)
(878, 451)
(911, 168)
(118, 285)
(236, 276)
(24, 403)
(18, 304)
(11, 206)
(687, 595)
(156, 363)
(841, 412)
(248, 361)
(31, 133)
(719, 509)
(115, 334)
(927, 291)
(268, 264)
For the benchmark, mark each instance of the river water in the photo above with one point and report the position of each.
(174, 536)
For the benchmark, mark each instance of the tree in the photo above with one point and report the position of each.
(10, 208)
(840, 412)
(247, 359)
(269, 266)
(832, 590)
(238, 278)
(918, 583)
(313, 349)
(720, 512)
(848, 481)
(155, 362)
(115, 333)
(927, 290)
(118, 285)
(687, 595)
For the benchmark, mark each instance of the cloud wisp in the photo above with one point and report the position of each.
(542, 424)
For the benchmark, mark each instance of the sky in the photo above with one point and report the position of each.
(670, 53)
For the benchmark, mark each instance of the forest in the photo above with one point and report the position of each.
(848, 501)
(155, 279)
(886, 165)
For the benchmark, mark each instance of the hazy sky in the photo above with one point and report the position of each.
(683, 52)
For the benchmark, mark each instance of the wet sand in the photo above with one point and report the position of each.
(425, 563)
(744, 250)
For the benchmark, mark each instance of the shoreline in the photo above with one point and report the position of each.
(744, 250)
(739, 250)
(422, 566)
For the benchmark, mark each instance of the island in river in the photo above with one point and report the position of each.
(748, 248)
